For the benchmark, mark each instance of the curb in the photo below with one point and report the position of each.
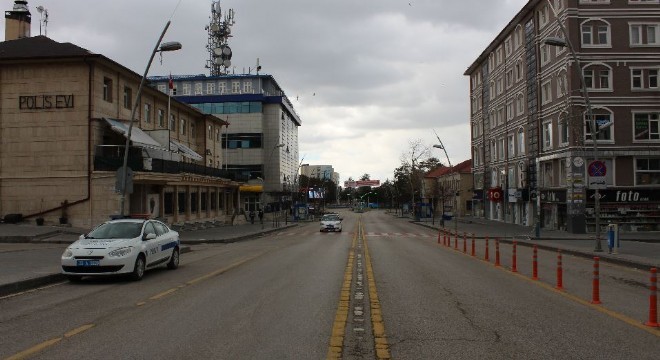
(237, 238)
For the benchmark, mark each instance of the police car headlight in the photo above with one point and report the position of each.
(120, 252)
(67, 254)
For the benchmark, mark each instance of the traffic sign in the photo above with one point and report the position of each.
(597, 171)
(597, 168)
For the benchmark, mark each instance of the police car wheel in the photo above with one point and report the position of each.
(138, 270)
(174, 259)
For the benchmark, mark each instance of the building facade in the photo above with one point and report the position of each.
(534, 156)
(261, 138)
(449, 189)
(64, 118)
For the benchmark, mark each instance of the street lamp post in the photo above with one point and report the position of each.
(555, 41)
(168, 46)
(442, 220)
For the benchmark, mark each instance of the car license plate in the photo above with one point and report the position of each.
(88, 263)
(330, 226)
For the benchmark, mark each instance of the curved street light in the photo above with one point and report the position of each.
(166, 46)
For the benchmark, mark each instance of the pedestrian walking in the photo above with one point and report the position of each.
(261, 216)
(252, 216)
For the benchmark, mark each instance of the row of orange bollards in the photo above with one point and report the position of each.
(595, 293)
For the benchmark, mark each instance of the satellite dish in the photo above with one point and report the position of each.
(217, 61)
(226, 63)
(215, 27)
(226, 50)
(217, 51)
(217, 7)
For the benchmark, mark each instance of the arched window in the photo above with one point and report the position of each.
(598, 76)
(595, 33)
(604, 119)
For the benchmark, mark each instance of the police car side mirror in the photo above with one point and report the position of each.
(150, 236)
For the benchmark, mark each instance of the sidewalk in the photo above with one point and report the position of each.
(638, 249)
(30, 254)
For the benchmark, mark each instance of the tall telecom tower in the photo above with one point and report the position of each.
(219, 30)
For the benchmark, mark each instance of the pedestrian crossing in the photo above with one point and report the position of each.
(367, 234)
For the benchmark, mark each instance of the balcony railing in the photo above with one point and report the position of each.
(108, 162)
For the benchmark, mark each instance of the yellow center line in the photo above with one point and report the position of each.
(380, 338)
(25, 354)
(341, 316)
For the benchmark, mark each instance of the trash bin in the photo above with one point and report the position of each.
(613, 238)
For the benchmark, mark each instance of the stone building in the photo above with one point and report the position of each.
(64, 115)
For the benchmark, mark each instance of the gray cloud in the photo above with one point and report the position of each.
(365, 75)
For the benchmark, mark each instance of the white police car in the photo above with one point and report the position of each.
(124, 246)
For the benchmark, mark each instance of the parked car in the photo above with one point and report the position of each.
(331, 222)
(125, 246)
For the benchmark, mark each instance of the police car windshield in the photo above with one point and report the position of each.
(118, 230)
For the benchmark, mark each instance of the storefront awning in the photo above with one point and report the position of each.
(251, 188)
(138, 137)
(178, 147)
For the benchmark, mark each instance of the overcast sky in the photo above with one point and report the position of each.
(365, 76)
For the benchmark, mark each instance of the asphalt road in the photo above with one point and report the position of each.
(280, 297)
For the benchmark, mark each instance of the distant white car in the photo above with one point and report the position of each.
(330, 222)
(125, 246)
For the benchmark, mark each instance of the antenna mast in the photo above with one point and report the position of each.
(219, 31)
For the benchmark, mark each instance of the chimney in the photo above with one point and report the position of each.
(17, 21)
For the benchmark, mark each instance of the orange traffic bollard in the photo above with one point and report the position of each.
(653, 300)
(560, 272)
(514, 265)
(473, 253)
(486, 255)
(595, 289)
(497, 252)
(439, 232)
(464, 243)
(535, 264)
(456, 240)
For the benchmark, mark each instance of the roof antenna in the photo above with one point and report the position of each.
(44, 19)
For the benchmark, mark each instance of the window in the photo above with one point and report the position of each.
(558, 4)
(172, 122)
(647, 126)
(543, 16)
(547, 174)
(509, 78)
(193, 133)
(509, 111)
(235, 87)
(247, 87)
(222, 88)
(644, 79)
(595, 33)
(562, 172)
(498, 55)
(128, 97)
(500, 149)
(107, 89)
(198, 88)
(545, 54)
(519, 70)
(647, 171)
(520, 104)
(507, 46)
(598, 78)
(603, 127)
(511, 145)
(494, 179)
(491, 61)
(493, 151)
(563, 129)
(521, 175)
(561, 84)
(182, 124)
(161, 118)
(217, 134)
(644, 34)
(186, 89)
(491, 90)
(547, 135)
(500, 85)
(501, 115)
(546, 92)
(518, 36)
(147, 113)
(521, 141)
(210, 88)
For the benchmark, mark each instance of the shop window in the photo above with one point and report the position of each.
(182, 202)
(647, 171)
